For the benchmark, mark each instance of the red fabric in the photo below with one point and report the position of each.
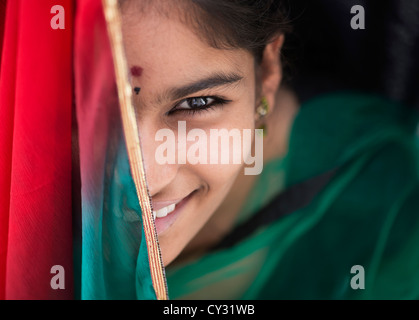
(2, 15)
(35, 151)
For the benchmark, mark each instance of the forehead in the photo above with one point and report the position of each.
(163, 44)
(171, 55)
(155, 23)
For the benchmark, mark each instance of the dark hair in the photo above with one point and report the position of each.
(247, 24)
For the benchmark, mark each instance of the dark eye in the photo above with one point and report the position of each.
(196, 103)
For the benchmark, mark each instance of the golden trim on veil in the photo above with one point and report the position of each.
(132, 139)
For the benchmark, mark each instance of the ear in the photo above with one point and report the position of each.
(270, 71)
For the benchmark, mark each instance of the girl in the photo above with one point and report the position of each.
(175, 103)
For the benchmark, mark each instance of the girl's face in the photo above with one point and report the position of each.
(178, 71)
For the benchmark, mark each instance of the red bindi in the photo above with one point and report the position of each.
(136, 71)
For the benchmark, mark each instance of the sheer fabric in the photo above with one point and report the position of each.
(114, 257)
(37, 230)
(35, 143)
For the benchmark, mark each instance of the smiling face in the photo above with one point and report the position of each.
(182, 78)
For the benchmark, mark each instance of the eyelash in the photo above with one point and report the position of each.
(218, 102)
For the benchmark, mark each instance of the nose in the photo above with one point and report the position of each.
(158, 176)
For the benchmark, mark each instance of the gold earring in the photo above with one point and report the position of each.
(263, 108)
(262, 111)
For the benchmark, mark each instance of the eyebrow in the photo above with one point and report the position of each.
(212, 81)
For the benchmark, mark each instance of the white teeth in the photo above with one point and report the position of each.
(170, 208)
(164, 211)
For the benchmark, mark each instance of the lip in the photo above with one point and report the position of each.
(162, 224)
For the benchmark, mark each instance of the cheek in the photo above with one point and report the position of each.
(225, 157)
(218, 178)
(226, 141)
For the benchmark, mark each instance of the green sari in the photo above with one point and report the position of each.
(367, 214)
